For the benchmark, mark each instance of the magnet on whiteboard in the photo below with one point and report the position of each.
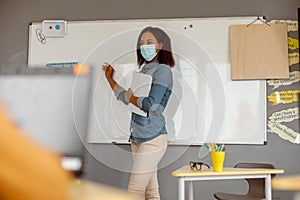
(54, 28)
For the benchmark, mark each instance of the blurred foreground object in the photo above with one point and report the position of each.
(86, 190)
(81, 69)
(288, 183)
(28, 171)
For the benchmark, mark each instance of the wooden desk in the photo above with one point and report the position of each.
(186, 174)
(289, 183)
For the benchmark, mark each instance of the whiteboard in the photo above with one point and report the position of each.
(205, 106)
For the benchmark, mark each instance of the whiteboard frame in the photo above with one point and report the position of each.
(31, 62)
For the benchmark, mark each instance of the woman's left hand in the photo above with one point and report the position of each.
(128, 95)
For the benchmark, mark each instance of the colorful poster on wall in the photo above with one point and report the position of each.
(283, 95)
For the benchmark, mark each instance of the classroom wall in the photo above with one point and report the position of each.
(16, 15)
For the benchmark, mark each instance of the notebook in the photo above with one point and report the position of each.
(140, 86)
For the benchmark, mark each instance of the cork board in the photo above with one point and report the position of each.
(259, 51)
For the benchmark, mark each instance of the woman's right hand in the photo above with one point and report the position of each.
(109, 71)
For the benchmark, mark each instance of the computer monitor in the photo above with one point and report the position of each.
(50, 105)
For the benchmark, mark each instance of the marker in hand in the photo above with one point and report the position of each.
(109, 70)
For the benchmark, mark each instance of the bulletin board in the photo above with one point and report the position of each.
(283, 95)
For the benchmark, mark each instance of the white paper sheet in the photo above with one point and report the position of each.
(140, 86)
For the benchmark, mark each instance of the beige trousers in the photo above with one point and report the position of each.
(143, 183)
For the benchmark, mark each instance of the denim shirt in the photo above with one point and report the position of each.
(142, 128)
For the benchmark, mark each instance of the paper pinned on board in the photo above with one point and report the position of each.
(140, 86)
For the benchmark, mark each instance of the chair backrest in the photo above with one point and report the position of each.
(256, 186)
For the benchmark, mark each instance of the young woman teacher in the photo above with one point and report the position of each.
(148, 134)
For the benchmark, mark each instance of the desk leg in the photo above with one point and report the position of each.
(181, 188)
(190, 188)
(268, 187)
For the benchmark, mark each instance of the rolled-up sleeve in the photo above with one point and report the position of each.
(120, 94)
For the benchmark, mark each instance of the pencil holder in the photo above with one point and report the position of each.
(217, 159)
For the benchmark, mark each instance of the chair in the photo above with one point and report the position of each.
(256, 189)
